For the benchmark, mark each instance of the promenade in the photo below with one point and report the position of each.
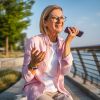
(83, 82)
(15, 92)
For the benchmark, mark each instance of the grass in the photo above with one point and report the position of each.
(8, 78)
(12, 54)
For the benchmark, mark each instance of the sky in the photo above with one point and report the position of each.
(84, 14)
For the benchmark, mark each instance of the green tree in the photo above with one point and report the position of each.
(14, 18)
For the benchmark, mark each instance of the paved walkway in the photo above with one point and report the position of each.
(78, 94)
(15, 92)
(87, 88)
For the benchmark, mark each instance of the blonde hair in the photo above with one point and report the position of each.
(44, 15)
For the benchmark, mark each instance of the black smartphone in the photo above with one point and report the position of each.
(79, 34)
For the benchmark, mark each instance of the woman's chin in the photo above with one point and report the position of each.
(58, 30)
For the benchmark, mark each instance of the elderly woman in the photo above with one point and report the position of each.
(48, 58)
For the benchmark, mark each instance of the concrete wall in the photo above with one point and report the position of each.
(11, 62)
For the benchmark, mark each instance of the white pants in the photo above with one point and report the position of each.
(54, 96)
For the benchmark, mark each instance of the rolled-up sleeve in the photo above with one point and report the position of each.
(66, 64)
(28, 76)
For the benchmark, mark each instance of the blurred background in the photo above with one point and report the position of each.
(19, 20)
(83, 14)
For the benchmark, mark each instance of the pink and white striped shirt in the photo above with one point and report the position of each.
(34, 85)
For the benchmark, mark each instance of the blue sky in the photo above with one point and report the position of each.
(85, 14)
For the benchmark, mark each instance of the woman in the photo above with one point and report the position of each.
(48, 58)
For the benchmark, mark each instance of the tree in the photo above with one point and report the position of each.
(14, 18)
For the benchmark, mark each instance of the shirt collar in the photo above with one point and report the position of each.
(48, 42)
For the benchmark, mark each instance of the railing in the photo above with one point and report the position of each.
(86, 64)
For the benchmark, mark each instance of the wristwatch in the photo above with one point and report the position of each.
(34, 68)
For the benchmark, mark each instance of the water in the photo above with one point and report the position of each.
(89, 64)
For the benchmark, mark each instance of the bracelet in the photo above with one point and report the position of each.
(34, 68)
(31, 67)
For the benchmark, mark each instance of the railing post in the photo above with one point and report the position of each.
(91, 80)
(83, 65)
(75, 70)
(96, 61)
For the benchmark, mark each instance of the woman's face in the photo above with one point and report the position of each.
(55, 21)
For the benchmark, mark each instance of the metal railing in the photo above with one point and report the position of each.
(86, 63)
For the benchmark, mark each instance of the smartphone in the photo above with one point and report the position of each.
(79, 34)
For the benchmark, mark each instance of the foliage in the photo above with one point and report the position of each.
(14, 18)
(15, 54)
(8, 78)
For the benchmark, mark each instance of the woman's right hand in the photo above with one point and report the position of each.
(36, 58)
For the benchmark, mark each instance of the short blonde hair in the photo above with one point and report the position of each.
(45, 14)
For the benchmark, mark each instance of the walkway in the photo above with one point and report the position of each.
(78, 94)
(87, 88)
(15, 92)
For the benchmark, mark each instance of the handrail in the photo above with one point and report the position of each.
(86, 63)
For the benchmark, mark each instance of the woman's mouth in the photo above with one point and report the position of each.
(58, 25)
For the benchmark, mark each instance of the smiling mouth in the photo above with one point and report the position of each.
(60, 25)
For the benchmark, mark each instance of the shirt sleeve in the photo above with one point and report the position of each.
(66, 63)
(28, 76)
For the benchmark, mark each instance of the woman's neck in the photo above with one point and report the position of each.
(53, 37)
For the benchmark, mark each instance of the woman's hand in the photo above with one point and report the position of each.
(36, 58)
(73, 31)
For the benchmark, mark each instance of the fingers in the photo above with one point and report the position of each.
(34, 51)
(41, 55)
(37, 56)
(73, 31)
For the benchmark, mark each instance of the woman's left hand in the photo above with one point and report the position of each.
(73, 31)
